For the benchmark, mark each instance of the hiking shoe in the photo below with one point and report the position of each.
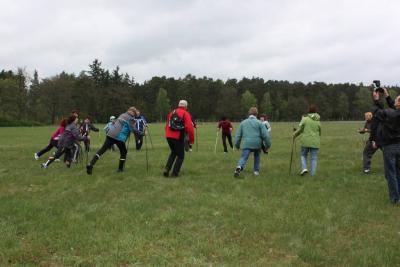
(366, 171)
(256, 173)
(89, 169)
(36, 156)
(43, 166)
(303, 172)
(237, 172)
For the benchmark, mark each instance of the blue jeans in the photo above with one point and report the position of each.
(245, 155)
(314, 156)
(391, 160)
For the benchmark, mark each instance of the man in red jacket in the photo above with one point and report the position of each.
(179, 122)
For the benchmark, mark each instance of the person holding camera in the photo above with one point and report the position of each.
(385, 134)
(179, 122)
(310, 131)
(249, 136)
(377, 88)
(369, 150)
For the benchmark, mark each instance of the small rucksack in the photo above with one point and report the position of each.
(176, 123)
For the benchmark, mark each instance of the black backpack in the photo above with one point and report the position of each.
(175, 123)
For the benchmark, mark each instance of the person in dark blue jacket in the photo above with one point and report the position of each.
(141, 125)
(117, 134)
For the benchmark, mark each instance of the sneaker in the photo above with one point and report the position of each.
(57, 160)
(237, 171)
(303, 172)
(366, 171)
(89, 169)
(256, 173)
(43, 166)
(36, 156)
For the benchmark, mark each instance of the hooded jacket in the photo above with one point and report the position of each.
(250, 133)
(122, 127)
(310, 130)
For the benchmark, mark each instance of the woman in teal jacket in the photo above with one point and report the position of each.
(310, 135)
(249, 137)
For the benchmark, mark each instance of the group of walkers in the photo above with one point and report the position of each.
(68, 136)
(253, 136)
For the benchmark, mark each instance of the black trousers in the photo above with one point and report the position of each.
(52, 143)
(368, 152)
(177, 155)
(224, 137)
(69, 154)
(86, 142)
(138, 141)
(108, 143)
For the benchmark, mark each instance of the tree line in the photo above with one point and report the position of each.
(99, 93)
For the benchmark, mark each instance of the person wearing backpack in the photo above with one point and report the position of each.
(179, 122)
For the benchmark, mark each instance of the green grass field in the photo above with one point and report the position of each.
(63, 217)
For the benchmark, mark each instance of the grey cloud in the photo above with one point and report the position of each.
(332, 41)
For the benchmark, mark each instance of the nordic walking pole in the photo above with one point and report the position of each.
(197, 142)
(151, 142)
(127, 146)
(291, 157)
(147, 159)
(291, 154)
(216, 141)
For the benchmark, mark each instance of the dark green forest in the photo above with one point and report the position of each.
(99, 93)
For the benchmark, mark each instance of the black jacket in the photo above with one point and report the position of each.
(86, 127)
(385, 128)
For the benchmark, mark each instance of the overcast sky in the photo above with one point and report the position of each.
(315, 40)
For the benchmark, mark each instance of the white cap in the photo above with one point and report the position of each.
(112, 118)
(182, 103)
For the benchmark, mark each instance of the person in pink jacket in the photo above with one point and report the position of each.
(53, 140)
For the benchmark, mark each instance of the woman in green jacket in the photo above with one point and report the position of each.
(310, 135)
